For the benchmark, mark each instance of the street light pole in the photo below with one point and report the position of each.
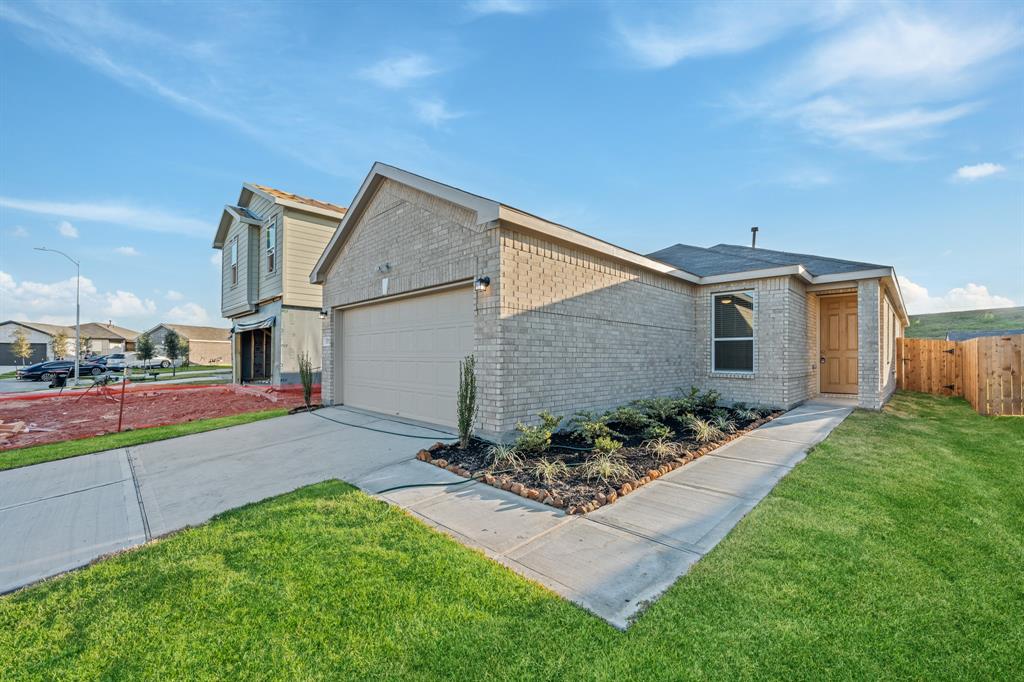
(78, 306)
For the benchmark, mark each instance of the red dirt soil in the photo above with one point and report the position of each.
(72, 415)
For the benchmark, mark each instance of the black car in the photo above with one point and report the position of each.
(46, 371)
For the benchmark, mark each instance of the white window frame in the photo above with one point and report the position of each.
(271, 246)
(753, 339)
(233, 260)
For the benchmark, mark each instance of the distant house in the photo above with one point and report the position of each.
(269, 241)
(966, 336)
(96, 338)
(206, 345)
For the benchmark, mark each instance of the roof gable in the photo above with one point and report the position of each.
(240, 212)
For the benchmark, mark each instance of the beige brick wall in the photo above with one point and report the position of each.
(782, 344)
(427, 242)
(580, 331)
(869, 369)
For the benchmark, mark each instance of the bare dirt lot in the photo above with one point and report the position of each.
(70, 416)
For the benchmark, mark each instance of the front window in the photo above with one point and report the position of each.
(732, 344)
(234, 260)
(271, 245)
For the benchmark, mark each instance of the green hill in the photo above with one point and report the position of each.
(935, 325)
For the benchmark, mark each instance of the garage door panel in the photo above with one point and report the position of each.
(402, 357)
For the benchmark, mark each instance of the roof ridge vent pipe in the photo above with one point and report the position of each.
(753, 237)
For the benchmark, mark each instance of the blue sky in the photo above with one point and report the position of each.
(886, 133)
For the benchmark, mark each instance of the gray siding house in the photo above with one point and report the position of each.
(420, 274)
(270, 239)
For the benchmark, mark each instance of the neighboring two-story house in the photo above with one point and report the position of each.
(269, 241)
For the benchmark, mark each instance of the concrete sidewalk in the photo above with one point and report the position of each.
(617, 559)
(62, 515)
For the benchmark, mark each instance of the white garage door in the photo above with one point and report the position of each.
(402, 357)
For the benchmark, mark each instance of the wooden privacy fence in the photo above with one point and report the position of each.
(986, 370)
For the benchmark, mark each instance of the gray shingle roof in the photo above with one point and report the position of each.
(723, 259)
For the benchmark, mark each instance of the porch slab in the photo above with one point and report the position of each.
(608, 571)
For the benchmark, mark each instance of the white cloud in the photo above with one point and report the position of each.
(54, 302)
(68, 230)
(188, 313)
(19, 232)
(127, 251)
(400, 72)
(126, 304)
(114, 213)
(483, 7)
(216, 259)
(694, 31)
(173, 295)
(977, 171)
(969, 297)
(434, 111)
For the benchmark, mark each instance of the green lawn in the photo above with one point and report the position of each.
(11, 459)
(935, 325)
(894, 551)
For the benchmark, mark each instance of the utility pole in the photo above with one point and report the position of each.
(78, 306)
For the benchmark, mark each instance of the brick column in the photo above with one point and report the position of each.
(869, 391)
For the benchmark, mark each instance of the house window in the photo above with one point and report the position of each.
(271, 245)
(234, 260)
(732, 322)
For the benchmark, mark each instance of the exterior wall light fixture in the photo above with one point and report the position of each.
(481, 283)
(323, 313)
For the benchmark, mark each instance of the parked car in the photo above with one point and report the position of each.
(46, 371)
(118, 361)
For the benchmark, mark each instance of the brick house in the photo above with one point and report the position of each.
(206, 345)
(420, 274)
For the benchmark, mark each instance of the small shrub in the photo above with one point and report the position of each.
(660, 409)
(662, 448)
(629, 417)
(606, 444)
(658, 432)
(607, 468)
(536, 440)
(549, 470)
(687, 403)
(588, 426)
(467, 406)
(723, 423)
(746, 414)
(549, 421)
(305, 364)
(709, 401)
(506, 457)
(703, 431)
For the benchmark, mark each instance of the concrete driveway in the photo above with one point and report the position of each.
(62, 515)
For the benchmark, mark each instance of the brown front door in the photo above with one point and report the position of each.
(839, 344)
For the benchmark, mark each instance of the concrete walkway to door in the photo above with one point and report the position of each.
(617, 559)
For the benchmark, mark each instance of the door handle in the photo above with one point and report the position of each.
(822, 361)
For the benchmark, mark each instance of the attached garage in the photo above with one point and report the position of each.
(402, 356)
(7, 356)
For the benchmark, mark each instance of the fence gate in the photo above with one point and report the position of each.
(986, 371)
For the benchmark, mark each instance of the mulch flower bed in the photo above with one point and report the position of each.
(574, 491)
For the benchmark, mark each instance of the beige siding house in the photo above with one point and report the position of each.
(206, 345)
(421, 274)
(270, 240)
(97, 339)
